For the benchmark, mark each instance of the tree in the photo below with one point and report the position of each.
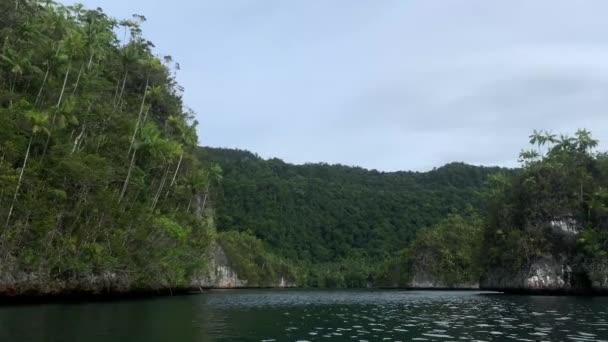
(38, 122)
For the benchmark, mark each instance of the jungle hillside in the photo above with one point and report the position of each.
(100, 189)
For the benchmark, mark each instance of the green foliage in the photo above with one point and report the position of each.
(449, 251)
(95, 153)
(337, 224)
(320, 213)
(248, 257)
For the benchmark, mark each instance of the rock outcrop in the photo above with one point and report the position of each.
(424, 280)
(219, 274)
(560, 269)
(549, 273)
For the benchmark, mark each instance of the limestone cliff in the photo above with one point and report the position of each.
(220, 274)
(558, 269)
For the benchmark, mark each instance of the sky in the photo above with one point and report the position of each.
(384, 84)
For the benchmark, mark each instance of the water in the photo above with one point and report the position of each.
(294, 315)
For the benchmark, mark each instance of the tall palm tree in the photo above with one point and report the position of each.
(585, 141)
(538, 138)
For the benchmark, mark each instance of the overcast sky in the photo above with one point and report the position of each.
(390, 85)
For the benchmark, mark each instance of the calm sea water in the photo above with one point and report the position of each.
(294, 315)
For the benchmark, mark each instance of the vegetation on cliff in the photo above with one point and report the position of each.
(556, 206)
(98, 182)
(252, 262)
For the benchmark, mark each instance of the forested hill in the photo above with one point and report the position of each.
(323, 213)
(96, 170)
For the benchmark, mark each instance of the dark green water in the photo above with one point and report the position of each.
(288, 315)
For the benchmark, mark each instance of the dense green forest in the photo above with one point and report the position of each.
(340, 226)
(337, 223)
(98, 182)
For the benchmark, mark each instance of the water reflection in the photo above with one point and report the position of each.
(315, 316)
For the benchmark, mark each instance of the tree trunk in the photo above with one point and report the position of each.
(27, 154)
(122, 90)
(141, 110)
(90, 62)
(124, 187)
(46, 76)
(77, 80)
(65, 82)
(57, 106)
(160, 189)
(189, 205)
(78, 138)
(179, 163)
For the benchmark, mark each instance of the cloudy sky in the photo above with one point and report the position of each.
(390, 85)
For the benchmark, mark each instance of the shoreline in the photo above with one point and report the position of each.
(77, 297)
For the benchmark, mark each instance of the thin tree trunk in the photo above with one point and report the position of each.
(12, 91)
(65, 82)
(204, 202)
(77, 80)
(116, 93)
(141, 110)
(122, 90)
(57, 106)
(99, 141)
(146, 116)
(27, 155)
(124, 187)
(90, 62)
(202, 209)
(160, 189)
(189, 205)
(179, 163)
(78, 138)
(46, 76)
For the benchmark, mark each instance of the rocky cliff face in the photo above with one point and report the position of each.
(217, 274)
(547, 273)
(560, 270)
(19, 283)
(220, 275)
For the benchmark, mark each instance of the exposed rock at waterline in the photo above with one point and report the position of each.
(424, 280)
(559, 269)
(218, 274)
